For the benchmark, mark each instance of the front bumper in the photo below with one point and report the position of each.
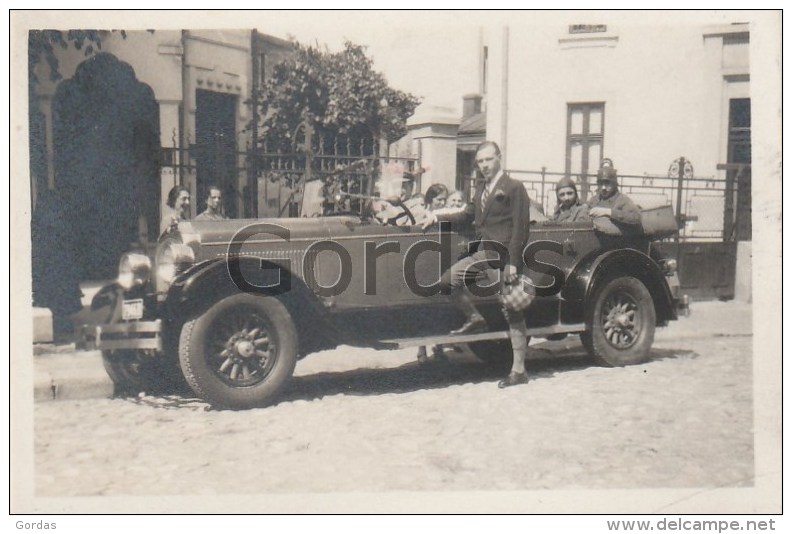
(680, 300)
(134, 335)
(683, 306)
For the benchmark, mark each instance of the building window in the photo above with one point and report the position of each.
(585, 135)
(737, 214)
(260, 60)
(739, 130)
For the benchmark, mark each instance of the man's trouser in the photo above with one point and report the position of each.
(478, 268)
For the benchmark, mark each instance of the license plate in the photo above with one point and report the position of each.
(132, 309)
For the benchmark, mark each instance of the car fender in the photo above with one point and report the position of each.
(216, 278)
(597, 268)
(206, 283)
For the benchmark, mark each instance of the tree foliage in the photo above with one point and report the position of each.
(340, 94)
(43, 43)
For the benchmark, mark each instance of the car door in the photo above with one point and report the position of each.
(423, 255)
(551, 255)
(347, 263)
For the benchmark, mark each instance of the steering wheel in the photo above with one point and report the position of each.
(406, 211)
(343, 214)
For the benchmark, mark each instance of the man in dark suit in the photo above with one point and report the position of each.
(500, 211)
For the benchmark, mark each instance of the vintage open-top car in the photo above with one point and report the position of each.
(230, 306)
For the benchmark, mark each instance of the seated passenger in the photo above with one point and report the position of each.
(569, 208)
(612, 212)
(439, 200)
(455, 200)
(436, 196)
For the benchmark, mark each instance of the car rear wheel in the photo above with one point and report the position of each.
(621, 326)
(239, 353)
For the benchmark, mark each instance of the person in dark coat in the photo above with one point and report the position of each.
(501, 213)
(569, 208)
(612, 212)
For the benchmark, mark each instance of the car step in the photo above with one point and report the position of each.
(403, 343)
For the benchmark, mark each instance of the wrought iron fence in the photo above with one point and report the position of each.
(279, 183)
(331, 177)
(704, 205)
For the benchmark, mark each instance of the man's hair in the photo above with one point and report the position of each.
(485, 144)
(173, 194)
(211, 188)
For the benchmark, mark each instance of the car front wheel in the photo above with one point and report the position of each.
(134, 371)
(239, 353)
(621, 325)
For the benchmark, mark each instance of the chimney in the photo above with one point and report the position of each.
(471, 104)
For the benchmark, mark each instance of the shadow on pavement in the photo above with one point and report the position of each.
(415, 376)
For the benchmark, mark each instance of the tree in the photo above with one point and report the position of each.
(42, 44)
(340, 94)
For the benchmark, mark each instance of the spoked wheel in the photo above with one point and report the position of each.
(240, 352)
(241, 341)
(622, 323)
(134, 371)
(138, 371)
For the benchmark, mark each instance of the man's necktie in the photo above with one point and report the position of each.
(484, 195)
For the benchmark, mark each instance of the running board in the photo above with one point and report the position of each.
(447, 339)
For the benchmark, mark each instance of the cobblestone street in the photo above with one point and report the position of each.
(358, 420)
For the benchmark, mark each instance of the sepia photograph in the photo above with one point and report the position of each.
(396, 262)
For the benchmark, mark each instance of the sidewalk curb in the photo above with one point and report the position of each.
(72, 376)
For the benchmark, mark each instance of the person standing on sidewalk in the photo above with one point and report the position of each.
(214, 201)
(501, 213)
(177, 209)
(435, 198)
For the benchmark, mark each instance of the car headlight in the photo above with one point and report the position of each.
(133, 270)
(172, 259)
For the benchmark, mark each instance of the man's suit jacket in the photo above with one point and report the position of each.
(504, 218)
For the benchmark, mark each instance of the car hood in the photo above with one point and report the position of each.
(209, 233)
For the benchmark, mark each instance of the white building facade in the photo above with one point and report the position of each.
(563, 97)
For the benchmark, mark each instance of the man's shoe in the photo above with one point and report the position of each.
(471, 326)
(514, 379)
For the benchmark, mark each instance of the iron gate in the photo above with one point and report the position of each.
(714, 214)
(275, 183)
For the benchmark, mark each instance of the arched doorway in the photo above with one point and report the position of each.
(106, 144)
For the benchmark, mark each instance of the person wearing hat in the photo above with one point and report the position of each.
(612, 211)
(569, 208)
